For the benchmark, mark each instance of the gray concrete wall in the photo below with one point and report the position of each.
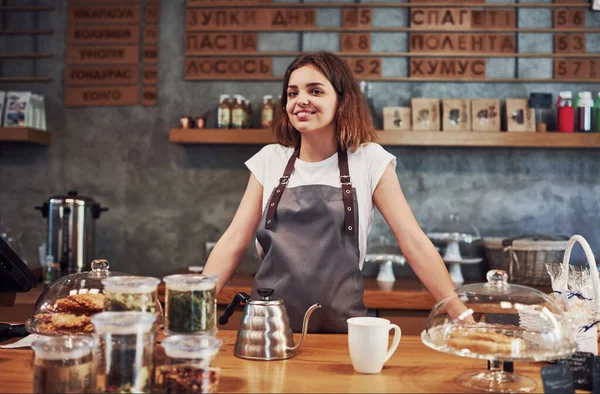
(167, 200)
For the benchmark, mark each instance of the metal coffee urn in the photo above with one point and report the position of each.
(71, 230)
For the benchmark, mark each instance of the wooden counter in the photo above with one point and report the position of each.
(321, 365)
(404, 294)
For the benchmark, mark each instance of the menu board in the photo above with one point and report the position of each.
(450, 42)
(111, 54)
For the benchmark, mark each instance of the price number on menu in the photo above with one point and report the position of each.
(364, 67)
(351, 42)
(569, 43)
(357, 17)
(569, 18)
(577, 69)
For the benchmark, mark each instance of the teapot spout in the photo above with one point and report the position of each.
(304, 326)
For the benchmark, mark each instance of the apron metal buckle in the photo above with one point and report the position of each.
(349, 182)
(284, 180)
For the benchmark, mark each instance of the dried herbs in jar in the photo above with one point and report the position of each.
(188, 378)
(191, 303)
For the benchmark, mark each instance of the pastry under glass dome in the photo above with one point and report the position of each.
(499, 322)
(65, 307)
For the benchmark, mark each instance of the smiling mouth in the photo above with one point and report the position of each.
(302, 114)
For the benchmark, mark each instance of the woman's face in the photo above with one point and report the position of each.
(311, 101)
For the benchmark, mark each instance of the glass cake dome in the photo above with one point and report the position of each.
(65, 307)
(499, 322)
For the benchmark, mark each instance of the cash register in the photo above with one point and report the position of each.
(15, 277)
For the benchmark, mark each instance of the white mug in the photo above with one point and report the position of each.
(368, 343)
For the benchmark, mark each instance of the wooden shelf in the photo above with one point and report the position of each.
(25, 79)
(25, 134)
(34, 8)
(24, 32)
(405, 138)
(31, 55)
(460, 80)
(403, 54)
(401, 30)
(242, 4)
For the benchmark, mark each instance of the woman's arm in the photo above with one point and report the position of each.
(231, 247)
(417, 248)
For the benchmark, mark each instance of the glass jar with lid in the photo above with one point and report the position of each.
(64, 364)
(499, 322)
(125, 351)
(132, 293)
(65, 307)
(191, 304)
(190, 364)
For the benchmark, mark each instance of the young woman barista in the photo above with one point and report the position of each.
(310, 199)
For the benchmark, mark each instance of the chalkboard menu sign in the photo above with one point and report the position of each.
(106, 39)
(558, 379)
(450, 42)
(581, 364)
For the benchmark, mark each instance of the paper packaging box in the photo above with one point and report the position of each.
(425, 114)
(396, 118)
(2, 100)
(519, 117)
(485, 115)
(457, 115)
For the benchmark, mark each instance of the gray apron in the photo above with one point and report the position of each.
(309, 236)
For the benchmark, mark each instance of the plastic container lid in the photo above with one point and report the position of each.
(192, 346)
(566, 95)
(190, 282)
(63, 347)
(130, 284)
(123, 322)
(499, 321)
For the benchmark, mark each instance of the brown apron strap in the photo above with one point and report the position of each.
(347, 197)
(276, 196)
(349, 225)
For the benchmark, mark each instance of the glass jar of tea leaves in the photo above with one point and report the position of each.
(189, 364)
(125, 351)
(132, 293)
(64, 364)
(191, 304)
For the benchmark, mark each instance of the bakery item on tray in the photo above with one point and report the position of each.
(70, 314)
(485, 342)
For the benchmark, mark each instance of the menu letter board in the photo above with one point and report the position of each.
(447, 68)
(231, 19)
(199, 43)
(107, 14)
(227, 68)
(102, 96)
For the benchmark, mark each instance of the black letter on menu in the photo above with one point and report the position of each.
(415, 13)
(416, 67)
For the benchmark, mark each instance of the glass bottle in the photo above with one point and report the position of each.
(224, 112)
(64, 364)
(132, 293)
(125, 351)
(238, 113)
(266, 116)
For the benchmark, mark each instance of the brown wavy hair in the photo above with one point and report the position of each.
(354, 125)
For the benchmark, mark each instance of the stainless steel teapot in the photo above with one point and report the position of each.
(265, 332)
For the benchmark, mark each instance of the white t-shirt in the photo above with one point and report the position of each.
(366, 166)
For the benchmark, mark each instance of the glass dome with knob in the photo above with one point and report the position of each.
(499, 322)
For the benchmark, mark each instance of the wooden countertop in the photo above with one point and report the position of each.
(321, 365)
(407, 294)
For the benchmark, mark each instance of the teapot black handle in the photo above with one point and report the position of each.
(239, 297)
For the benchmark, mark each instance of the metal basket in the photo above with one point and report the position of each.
(524, 258)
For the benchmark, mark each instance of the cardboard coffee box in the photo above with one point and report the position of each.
(425, 114)
(396, 118)
(456, 115)
(519, 117)
(485, 115)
